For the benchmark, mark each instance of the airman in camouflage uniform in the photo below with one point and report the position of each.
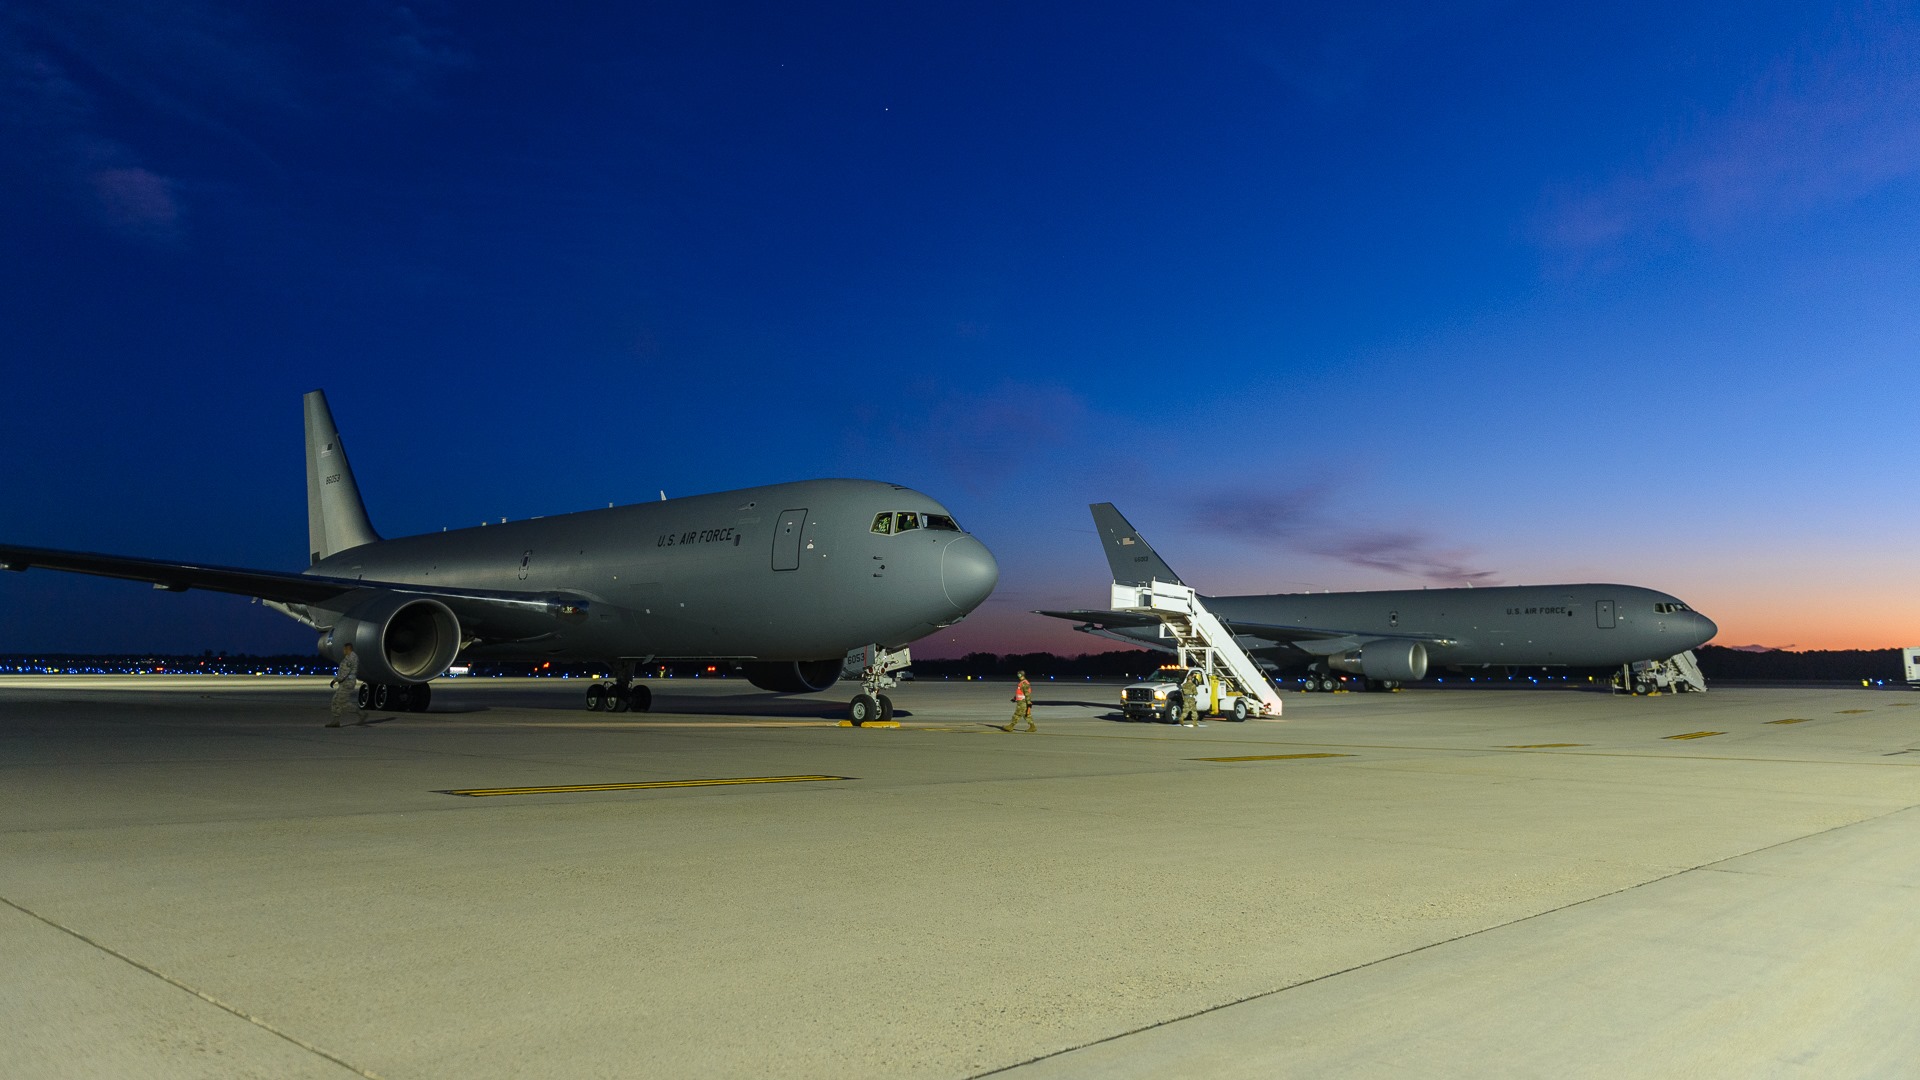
(346, 685)
(1190, 700)
(1022, 705)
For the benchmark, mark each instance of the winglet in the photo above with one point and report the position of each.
(1132, 560)
(336, 518)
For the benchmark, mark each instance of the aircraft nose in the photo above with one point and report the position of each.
(1704, 628)
(968, 573)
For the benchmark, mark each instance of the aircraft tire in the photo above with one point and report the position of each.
(617, 701)
(640, 699)
(596, 697)
(418, 699)
(365, 698)
(863, 709)
(382, 693)
(886, 706)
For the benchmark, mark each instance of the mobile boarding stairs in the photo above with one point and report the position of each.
(1203, 641)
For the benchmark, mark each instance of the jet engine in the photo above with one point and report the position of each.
(399, 639)
(794, 676)
(1393, 661)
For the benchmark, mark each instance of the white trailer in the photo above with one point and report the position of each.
(1910, 666)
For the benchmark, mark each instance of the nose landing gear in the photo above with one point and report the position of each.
(877, 666)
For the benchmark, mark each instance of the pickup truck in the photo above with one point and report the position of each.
(1157, 698)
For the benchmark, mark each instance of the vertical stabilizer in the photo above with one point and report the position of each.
(336, 518)
(1133, 562)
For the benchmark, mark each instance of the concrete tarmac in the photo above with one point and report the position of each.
(199, 880)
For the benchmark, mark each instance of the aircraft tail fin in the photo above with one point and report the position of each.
(336, 518)
(1134, 562)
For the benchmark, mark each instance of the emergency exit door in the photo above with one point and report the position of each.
(786, 539)
(1603, 614)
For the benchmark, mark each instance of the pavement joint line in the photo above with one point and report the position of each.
(641, 785)
(1696, 735)
(1271, 757)
(1543, 746)
(201, 994)
(1714, 865)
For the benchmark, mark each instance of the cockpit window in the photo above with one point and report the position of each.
(1669, 608)
(899, 521)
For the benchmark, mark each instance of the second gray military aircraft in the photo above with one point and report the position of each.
(1391, 636)
(794, 582)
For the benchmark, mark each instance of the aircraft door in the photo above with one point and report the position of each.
(786, 539)
(1603, 614)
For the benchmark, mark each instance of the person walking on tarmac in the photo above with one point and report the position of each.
(346, 685)
(1190, 700)
(1022, 704)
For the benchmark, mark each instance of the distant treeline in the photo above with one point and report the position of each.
(1838, 665)
(1735, 665)
(1814, 665)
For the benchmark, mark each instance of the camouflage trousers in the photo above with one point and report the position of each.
(1022, 714)
(346, 699)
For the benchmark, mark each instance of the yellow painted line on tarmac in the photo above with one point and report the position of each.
(1695, 735)
(1542, 745)
(1853, 712)
(1794, 720)
(562, 789)
(1271, 757)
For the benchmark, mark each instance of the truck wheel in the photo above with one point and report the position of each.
(1240, 711)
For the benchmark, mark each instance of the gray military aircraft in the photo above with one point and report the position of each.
(1388, 637)
(794, 582)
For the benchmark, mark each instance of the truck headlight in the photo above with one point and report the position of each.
(1159, 695)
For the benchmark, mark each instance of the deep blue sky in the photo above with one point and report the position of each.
(1352, 297)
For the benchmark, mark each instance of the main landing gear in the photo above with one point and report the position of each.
(383, 697)
(877, 666)
(619, 695)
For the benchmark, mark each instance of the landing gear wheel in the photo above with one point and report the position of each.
(1240, 711)
(596, 697)
(865, 707)
(640, 699)
(886, 706)
(1327, 684)
(616, 700)
(365, 699)
(417, 701)
(382, 693)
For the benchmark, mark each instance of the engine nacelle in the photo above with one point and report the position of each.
(793, 676)
(399, 639)
(1396, 661)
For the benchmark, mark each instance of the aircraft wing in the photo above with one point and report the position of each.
(472, 605)
(1313, 639)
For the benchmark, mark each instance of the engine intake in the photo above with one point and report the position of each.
(793, 676)
(1403, 661)
(399, 639)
